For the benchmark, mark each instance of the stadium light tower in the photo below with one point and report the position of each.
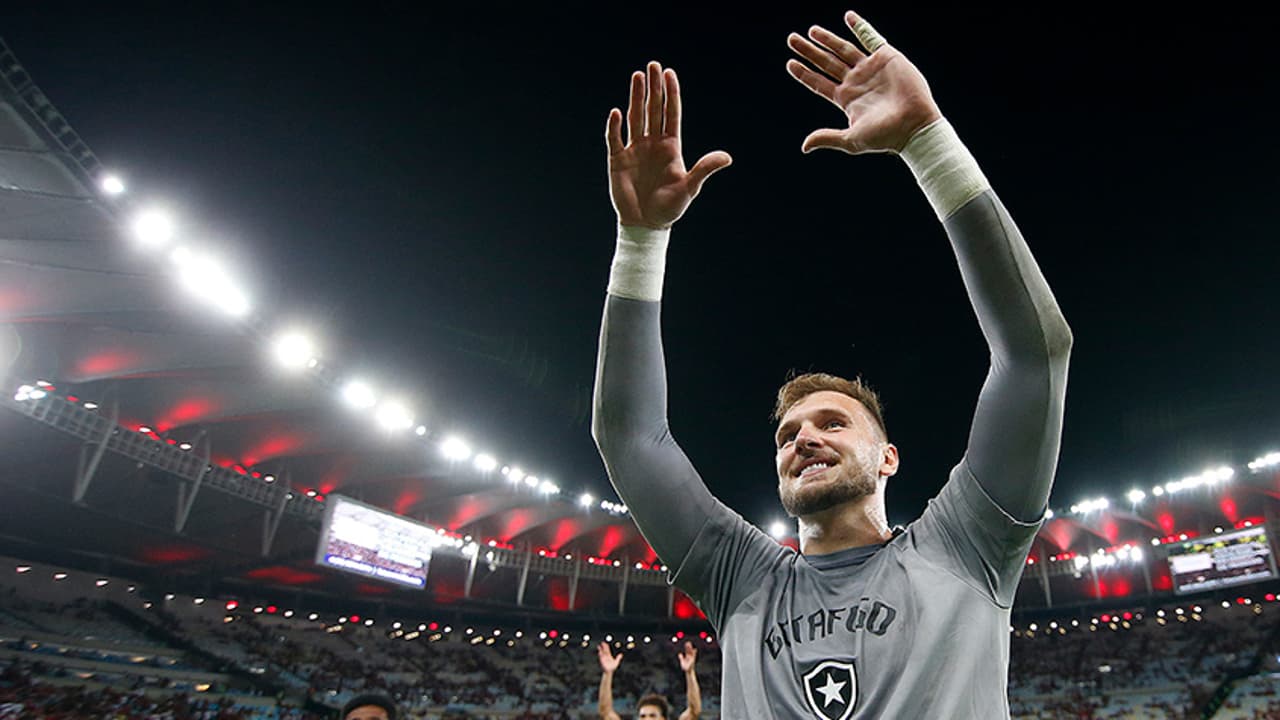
(585, 500)
(778, 529)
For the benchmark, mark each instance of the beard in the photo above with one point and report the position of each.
(853, 483)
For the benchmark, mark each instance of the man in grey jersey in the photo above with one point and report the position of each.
(864, 622)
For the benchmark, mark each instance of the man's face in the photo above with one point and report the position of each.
(830, 451)
(367, 712)
(650, 712)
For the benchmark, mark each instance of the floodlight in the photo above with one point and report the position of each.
(153, 228)
(585, 500)
(393, 415)
(205, 277)
(485, 463)
(359, 395)
(1136, 496)
(293, 350)
(111, 184)
(778, 529)
(455, 448)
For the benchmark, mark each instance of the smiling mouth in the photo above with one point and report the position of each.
(812, 469)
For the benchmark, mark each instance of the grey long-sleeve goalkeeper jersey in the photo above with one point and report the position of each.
(916, 628)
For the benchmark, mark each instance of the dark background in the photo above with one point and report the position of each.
(427, 186)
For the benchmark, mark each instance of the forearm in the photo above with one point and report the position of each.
(1013, 445)
(645, 465)
(694, 694)
(606, 696)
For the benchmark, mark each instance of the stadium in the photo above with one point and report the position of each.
(191, 528)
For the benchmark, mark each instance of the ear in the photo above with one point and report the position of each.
(888, 460)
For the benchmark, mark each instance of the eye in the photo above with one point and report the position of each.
(833, 425)
(786, 440)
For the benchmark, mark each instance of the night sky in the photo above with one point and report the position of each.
(428, 187)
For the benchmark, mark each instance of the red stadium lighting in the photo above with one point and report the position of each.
(232, 604)
(272, 609)
(433, 626)
(1271, 597)
(1106, 618)
(1128, 616)
(355, 618)
(680, 634)
(553, 634)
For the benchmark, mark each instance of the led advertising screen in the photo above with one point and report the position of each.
(374, 543)
(1215, 561)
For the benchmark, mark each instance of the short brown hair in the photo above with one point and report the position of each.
(801, 386)
(657, 701)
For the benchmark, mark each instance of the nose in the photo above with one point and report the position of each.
(807, 436)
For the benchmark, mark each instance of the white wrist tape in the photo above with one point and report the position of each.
(943, 166)
(639, 262)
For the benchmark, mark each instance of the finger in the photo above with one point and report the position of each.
(672, 126)
(635, 108)
(818, 83)
(843, 49)
(821, 59)
(867, 35)
(706, 166)
(825, 138)
(613, 132)
(653, 122)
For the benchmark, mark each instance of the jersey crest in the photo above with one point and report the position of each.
(831, 689)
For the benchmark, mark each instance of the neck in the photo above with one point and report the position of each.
(848, 525)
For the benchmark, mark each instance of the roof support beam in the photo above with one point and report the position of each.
(622, 588)
(524, 578)
(573, 585)
(187, 490)
(271, 518)
(471, 575)
(89, 459)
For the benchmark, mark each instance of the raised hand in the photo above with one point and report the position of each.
(884, 96)
(608, 661)
(647, 178)
(688, 656)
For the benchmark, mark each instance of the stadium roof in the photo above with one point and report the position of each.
(150, 354)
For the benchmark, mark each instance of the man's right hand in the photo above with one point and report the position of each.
(647, 178)
(608, 661)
